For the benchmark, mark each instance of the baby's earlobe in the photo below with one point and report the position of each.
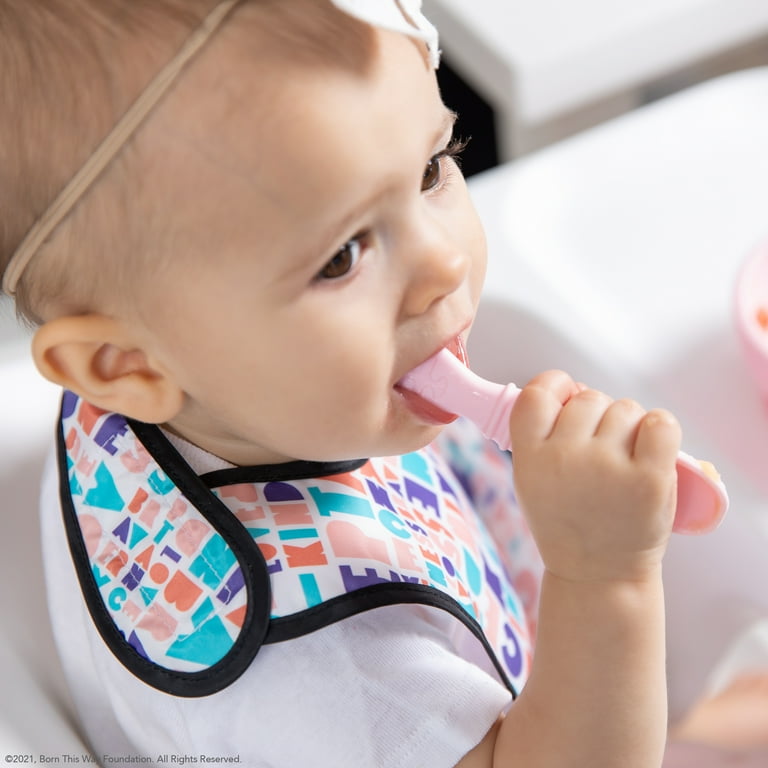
(96, 358)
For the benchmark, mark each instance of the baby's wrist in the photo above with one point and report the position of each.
(613, 595)
(594, 574)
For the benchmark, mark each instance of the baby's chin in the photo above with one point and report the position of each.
(414, 438)
(392, 434)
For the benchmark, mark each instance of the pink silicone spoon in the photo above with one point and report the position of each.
(702, 500)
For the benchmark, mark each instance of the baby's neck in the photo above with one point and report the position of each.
(199, 459)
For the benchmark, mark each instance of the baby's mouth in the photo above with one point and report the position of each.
(458, 349)
(423, 408)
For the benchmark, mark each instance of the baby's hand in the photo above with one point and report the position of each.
(595, 477)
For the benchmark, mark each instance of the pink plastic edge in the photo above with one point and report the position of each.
(752, 279)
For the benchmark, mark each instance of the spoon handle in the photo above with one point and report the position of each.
(702, 499)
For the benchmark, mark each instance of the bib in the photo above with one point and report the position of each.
(186, 577)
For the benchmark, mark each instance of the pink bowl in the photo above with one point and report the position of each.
(752, 313)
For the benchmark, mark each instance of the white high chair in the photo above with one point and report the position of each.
(36, 716)
(612, 256)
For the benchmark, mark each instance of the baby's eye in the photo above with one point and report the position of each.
(433, 173)
(345, 259)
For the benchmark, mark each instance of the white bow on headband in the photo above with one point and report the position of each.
(398, 15)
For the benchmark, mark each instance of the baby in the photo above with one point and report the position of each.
(257, 549)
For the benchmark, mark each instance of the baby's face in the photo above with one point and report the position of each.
(331, 247)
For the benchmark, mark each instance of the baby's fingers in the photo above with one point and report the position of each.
(538, 406)
(580, 418)
(620, 423)
(658, 438)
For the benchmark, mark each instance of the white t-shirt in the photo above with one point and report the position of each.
(404, 686)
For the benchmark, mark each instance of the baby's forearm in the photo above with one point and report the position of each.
(596, 480)
(597, 692)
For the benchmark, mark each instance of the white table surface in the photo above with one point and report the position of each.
(537, 59)
(613, 256)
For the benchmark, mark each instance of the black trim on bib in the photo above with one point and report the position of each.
(291, 470)
(255, 624)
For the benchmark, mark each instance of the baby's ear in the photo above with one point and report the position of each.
(99, 359)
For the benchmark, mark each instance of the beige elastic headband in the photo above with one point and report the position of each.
(110, 146)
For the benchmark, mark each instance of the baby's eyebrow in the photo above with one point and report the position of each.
(449, 120)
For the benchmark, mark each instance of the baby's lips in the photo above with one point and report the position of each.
(458, 349)
(425, 409)
(455, 346)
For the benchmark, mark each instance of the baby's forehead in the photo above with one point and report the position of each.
(264, 51)
(265, 115)
(255, 137)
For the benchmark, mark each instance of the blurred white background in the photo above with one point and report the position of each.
(536, 71)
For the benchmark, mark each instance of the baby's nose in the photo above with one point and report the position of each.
(438, 267)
